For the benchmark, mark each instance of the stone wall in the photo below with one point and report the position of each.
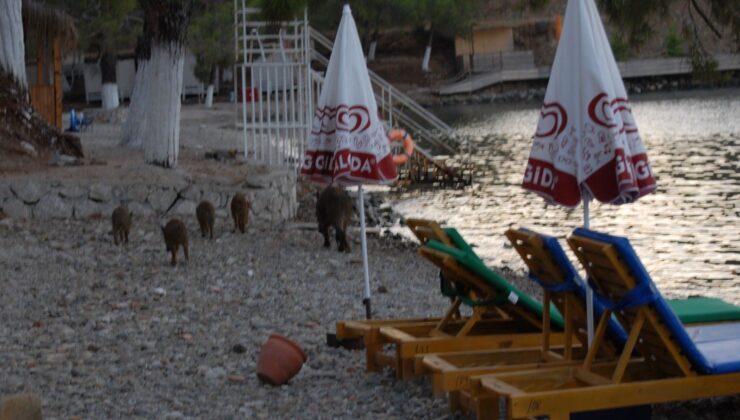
(273, 197)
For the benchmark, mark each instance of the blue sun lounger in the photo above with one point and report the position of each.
(676, 362)
(551, 269)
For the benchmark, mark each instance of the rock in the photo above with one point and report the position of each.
(85, 208)
(184, 208)
(215, 374)
(52, 207)
(192, 193)
(15, 209)
(237, 379)
(30, 192)
(73, 191)
(258, 182)
(101, 193)
(136, 193)
(5, 191)
(161, 199)
(28, 148)
(239, 349)
(140, 209)
(63, 160)
(213, 196)
(160, 291)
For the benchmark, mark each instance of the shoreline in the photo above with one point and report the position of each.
(521, 92)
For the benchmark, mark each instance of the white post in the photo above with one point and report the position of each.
(363, 239)
(109, 96)
(209, 95)
(427, 56)
(371, 51)
(243, 92)
(590, 293)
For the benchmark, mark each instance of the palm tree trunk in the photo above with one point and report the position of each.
(12, 47)
(135, 126)
(163, 76)
(154, 114)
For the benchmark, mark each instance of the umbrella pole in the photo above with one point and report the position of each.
(363, 239)
(590, 293)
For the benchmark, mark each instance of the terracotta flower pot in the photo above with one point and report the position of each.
(280, 359)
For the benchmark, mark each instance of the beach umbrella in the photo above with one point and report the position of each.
(587, 145)
(348, 143)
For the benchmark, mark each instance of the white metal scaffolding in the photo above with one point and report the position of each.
(274, 86)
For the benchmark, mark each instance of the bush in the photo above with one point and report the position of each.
(673, 43)
(620, 47)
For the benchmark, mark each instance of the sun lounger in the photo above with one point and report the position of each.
(503, 316)
(550, 268)
(424, 230)
(676, 362)
(519, 322)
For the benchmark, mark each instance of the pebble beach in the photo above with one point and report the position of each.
(106, 332)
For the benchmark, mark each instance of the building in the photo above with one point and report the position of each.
(48, 32)
(507, 44)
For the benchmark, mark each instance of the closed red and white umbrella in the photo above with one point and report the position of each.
(348, 143)
(587, 144)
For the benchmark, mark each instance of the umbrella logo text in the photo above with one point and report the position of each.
(541, 176)
(602, 112)
(553, 120)
(352, 119)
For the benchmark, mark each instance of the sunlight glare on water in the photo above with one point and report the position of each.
(687, 233)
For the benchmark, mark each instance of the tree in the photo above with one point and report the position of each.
(210, 38)
(105, 27)
(444, 17)
(12, 46)
(635, 19)
(370, 15)
(154, 114)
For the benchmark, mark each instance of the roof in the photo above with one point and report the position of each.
(512, 14)
(44, 22)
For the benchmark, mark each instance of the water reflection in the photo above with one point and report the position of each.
(686, 233)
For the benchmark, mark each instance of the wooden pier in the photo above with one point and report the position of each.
(425, 170)
(653, 67)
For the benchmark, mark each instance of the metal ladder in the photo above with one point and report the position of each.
(399, 108)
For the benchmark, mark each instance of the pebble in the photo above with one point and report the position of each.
(91, 359)
(236, 379)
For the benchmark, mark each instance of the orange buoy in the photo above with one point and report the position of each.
(408, 145)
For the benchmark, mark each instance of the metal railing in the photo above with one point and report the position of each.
(399, 107)
(275, 104)
(278, 89)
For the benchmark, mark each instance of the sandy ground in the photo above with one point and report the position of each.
(202, 130)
